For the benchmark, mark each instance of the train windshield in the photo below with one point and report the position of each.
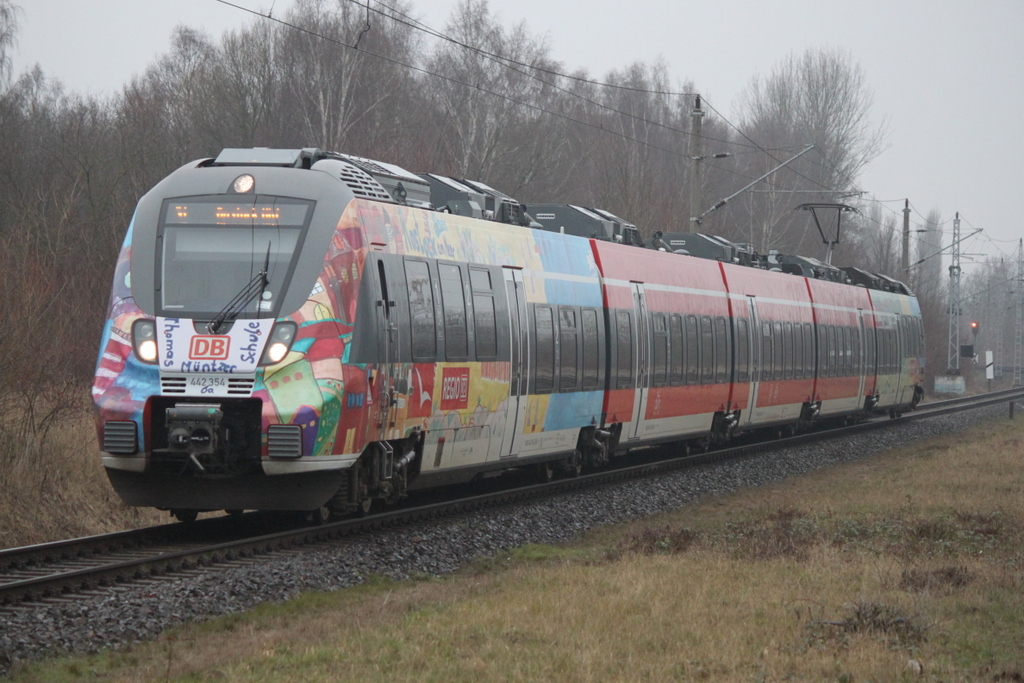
(213, 249)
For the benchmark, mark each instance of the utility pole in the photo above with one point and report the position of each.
(1018, 330)
(696, 169)
(905, 262)
(953, 361)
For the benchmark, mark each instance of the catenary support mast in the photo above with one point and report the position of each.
(953, 355)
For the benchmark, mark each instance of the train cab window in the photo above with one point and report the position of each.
(588, 318)
(660, 377)
(692, 351)
(742, 350)
(722, 350)
(707, 350)
(544, 376)
(567, 335)
(421, 311)
(454, 305)
(676, 350)
(624, 350)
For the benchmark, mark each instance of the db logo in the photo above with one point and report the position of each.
(209, 348)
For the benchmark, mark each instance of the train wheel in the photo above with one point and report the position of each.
(545, 472)
(573, 466)
(364, 507)
(187, 516)
(321, 515)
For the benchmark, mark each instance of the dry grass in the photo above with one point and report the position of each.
(904, 567)
(53, 482)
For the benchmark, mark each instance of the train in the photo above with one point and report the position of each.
(302, 330)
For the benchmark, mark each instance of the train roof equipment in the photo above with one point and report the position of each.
(386, 182)
(591, 223)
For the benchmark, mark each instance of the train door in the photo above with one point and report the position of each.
(387, 340)
(519, 373)
(901, 357)
(643, 336)
(861, 357)
(754, 354)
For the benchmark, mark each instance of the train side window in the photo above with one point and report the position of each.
(808, 350)
(480, 279)
(789, 347)
(421, 311)
(840, 351)
(892, 351)
(822, 351)
(624, 342)
(798, 351)
(544, 377)
(676, 339)
(834, 341)
(692, 351)
(778, 356)
(484, 321)
(766, 352)
(847, 351)
(869, 349)
(855, 348)
(454, 306)
(567, 332)
(588, 318)
(707, 350)
(660, 350)
(742, 350)
(486, 327)
(722, 350)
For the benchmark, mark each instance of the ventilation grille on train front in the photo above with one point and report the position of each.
(120, 438)
(284, 441)
(362, 183)
(178, 385)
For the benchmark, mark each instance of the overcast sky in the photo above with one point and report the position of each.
(947, 76)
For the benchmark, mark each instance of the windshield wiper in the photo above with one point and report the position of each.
(252, 290)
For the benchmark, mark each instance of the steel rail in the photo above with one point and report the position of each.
(64, 580)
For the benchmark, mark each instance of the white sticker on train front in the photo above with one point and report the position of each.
(182, 349)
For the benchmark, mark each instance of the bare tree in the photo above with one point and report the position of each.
(820, 98)
(8, 37)
(491, 109)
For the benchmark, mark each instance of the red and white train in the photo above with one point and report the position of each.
(300, 330)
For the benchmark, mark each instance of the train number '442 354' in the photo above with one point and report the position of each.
(207, 384)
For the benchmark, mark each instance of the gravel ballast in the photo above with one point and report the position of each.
(142, 612)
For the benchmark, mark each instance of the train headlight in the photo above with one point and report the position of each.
(144, 340)
(243, 184)
(279, 344)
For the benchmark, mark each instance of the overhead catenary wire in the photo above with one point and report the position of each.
(505, 97)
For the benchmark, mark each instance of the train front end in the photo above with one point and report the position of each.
(220, 379)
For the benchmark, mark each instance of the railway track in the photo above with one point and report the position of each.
(64, 569)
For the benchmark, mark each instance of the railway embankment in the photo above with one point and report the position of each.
(886, 555)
